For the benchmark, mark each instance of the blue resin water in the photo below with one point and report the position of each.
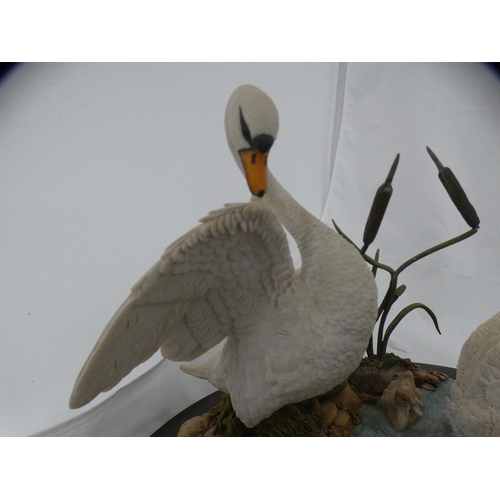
(374, 422)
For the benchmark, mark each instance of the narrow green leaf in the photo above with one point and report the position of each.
(395, 322)
(367, 259)
(337, 228)
(399, 291)
(374, 268)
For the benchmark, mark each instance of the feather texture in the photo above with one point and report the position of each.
(188, 301)
(473, 408)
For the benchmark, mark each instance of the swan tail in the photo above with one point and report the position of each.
(196, 370)
(209, 370)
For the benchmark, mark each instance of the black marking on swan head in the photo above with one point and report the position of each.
(262, 142)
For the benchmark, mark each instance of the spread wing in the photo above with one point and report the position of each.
(227, 267)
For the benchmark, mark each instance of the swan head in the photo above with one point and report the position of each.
(251, 128)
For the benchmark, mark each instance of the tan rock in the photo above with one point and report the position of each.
(343, 421)
(368, 380)
(334, 432)
(194, 427)
(327, 413)
(210, 432)
(349, 399)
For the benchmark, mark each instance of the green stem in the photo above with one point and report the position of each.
(371, 261)
(369, 349)
(385, 307)
(435, 248)
(375, 263)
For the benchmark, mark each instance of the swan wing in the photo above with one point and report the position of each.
(234, 262)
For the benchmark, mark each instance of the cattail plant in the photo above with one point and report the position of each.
(379, 206)
(456, 193)
(378, 209)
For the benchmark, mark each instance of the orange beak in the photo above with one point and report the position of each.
(255, 164)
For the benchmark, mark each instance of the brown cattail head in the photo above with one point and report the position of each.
(456, 192)
(379, 206)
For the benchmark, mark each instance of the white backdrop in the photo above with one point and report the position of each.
(103, 165)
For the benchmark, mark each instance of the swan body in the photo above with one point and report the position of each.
(290, 334)
(473, 408)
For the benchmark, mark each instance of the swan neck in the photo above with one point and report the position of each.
(297, 220)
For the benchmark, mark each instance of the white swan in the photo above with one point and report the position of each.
(473, 408)
(289, 335)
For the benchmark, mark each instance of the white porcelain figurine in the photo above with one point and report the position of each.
(289, 334)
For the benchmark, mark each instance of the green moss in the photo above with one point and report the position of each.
(390, 361)
(289, 421)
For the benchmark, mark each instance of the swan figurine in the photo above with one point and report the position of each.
(289, 334)
(473, 408)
